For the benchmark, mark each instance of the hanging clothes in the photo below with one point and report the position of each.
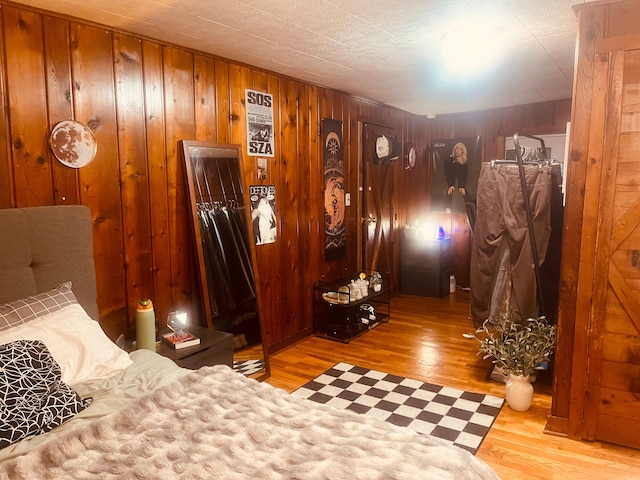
(220, 295)
(234, 248)
(503, 277)
(228, 263)
(239, 225)
(550, 268)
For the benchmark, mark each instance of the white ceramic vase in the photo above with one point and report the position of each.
(519, 392)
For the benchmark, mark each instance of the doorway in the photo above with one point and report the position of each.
(378, 203)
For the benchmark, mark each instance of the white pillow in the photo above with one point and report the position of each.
(77, 343)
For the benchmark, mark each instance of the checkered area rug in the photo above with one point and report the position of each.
(248, 367)
(461, 417)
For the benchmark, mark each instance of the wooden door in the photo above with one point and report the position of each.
(612, 396)
(377, 205)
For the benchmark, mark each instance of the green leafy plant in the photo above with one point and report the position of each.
(376, 278)
(519, 348)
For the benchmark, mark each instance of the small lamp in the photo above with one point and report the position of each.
(177, 321)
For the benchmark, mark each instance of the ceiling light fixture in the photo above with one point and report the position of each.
(471, 46)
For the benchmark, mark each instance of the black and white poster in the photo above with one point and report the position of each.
(455, 171)
(263, 213)
(259, 106)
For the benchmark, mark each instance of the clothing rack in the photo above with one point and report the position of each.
(530, 155)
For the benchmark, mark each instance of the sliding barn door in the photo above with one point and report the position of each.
(377, 205)
(611, 237)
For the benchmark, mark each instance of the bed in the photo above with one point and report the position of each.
(139, 415)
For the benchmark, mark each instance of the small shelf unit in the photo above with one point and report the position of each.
(339, 315)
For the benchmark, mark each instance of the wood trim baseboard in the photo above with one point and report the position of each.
(289, 341)
(558, 426)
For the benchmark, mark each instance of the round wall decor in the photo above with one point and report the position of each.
(411, 156)
(73, 143)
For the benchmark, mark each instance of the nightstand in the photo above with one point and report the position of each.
(215, 348)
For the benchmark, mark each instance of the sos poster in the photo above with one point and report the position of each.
(259, 106)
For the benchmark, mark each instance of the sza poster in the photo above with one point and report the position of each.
(259, 107)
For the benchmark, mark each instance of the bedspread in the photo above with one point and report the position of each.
(215, 423)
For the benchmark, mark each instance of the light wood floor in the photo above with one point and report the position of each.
(424, 341)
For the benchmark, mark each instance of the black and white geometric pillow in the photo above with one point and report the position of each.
(33, 398)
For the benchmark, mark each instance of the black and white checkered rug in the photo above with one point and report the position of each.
(463, 418)
(248, 367)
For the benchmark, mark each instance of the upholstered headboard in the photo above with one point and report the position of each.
(42, 247)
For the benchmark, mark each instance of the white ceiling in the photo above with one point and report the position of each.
(382, 50)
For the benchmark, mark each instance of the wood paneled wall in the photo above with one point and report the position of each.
(597, 338)
(140, 97)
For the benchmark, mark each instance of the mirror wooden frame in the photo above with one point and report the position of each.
(223, 189)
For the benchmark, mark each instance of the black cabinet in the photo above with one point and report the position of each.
(425, 265)
(339, 314)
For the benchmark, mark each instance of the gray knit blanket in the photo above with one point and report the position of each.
(217, 424)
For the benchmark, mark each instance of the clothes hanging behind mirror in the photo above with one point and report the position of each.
(229, 269)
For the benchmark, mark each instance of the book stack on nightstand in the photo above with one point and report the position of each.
(182, 340)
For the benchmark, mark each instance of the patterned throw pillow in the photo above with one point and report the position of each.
(21, 311)
(33, 398)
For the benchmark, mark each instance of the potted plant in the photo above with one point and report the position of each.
(520, 349)
(376, 281)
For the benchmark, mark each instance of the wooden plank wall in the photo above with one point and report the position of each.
(141, 97)
(600, 24)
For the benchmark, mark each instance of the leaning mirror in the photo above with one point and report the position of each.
(230, 298)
